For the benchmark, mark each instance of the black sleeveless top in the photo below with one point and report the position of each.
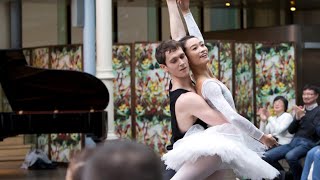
(176, 133)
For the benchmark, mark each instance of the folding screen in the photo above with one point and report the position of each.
(64, 144)
(243, 85)
(275, 73)
(152, 122)
(59, 147)
(66, 58)
(121, 63)
(225, 64)
(40, 57)
(213, 53)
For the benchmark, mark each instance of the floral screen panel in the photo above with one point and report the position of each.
(213, 53)
(121, 63)
(64, 145)
(244, 80)
(226, 64)
(59, 146)
(40, 57)
(152, 99)
(27, 54)
(66, 57)
(275, 73)
(43, 143)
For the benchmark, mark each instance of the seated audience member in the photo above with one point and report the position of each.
(277, 125)
(76, 165)
(123, 160)
(313, 157)
(306, 127)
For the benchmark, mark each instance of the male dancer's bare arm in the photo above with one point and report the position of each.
(176, 25)
(192, 105)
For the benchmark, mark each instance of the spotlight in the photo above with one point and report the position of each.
(228, 4)
(292, 8)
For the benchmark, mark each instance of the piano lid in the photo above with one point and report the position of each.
(35, 89)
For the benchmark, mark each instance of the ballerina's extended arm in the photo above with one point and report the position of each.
(192, 26)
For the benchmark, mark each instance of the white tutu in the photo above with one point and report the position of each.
(237, 152)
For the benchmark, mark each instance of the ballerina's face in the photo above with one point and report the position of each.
(196, 51)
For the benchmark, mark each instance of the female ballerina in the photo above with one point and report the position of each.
(235, 145)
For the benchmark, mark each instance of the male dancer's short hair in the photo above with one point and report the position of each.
(166, 46)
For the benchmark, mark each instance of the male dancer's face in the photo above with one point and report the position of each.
(176, 64)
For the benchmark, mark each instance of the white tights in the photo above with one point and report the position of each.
(202, 168)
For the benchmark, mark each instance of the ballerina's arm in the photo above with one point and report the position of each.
(192, 26)
(212, 91)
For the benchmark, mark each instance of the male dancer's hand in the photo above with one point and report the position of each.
(184, 6)
(268, 140)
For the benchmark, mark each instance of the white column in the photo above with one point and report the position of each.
(104, 55)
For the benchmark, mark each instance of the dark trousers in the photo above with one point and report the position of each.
(292, 152)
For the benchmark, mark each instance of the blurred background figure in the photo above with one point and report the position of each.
(123, 160)
(76, 164)
(278, 124)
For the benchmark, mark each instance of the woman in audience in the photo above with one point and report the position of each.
(278, 124)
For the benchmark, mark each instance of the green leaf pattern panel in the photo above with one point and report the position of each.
(213, 53)
(152, 99)
(244, 80)
(121, 64)
(275, 72)
(66, 58)
(226, 64)
(61, 146)
(40, 58)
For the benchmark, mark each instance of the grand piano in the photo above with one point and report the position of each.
(50, 101)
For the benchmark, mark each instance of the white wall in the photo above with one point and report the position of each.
(39, 23)
(5, 25)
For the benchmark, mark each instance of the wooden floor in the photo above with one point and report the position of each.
(12, 171)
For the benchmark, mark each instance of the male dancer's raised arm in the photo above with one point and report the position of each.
(176, 25)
